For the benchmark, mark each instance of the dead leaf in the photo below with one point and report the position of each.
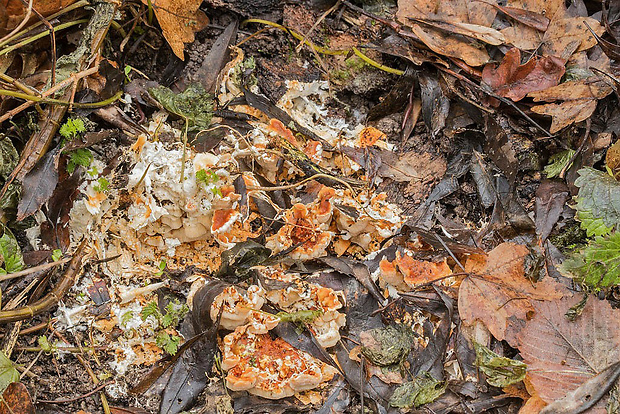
(451, 46)
(527, 17)
(16, 400)
(580, 98)
(179, 20)
(566, 113)
(547, 8)
(498, 294)
(591, 88)
(533, 405)
(515, 81)
(562, 355)
(550, 199)
(562, 32)
(38, 185)
(14, 11)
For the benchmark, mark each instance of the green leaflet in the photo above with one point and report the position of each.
(8, 373)
(500, 371)
(557, 163)
(11, 253)
(598, 202)
(597, 266)
(422, 390)
(194, 104)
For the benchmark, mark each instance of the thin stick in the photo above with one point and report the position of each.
(52, 298)
(315, 25)
(21, 24)
(80, 397)
(52, 40)
(34, 269)
(38, 99)
(37, 24)
(73, 78)
(40, 35)
(302, 182)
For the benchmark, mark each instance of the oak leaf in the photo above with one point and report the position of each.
(498, 294)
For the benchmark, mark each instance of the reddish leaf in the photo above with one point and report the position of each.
(515, 81)
(16, 400)
(561, 355)
(498, 294)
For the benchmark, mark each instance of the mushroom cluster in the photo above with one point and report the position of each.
(405, 272)
(301, 295)
(270, 368)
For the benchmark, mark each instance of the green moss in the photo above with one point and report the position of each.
(570, 237)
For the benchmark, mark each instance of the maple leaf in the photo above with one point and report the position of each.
(562, 355)
(179, 20)
(498, 294)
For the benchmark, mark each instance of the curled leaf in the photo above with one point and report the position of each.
(500, 371)
(194, 104)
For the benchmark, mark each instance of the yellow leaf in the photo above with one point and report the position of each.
(179, 20)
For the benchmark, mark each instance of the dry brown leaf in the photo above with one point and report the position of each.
(16, 400)
(498, 294)
(179, 20)
(562, 32)
(533, 405)
(12, 12)
(566, 113)
(515, 81)
(452, 46)
(522, 36)
(470, 20)
(592, 88)
(561, 355)
(547, 8)
(580, 98)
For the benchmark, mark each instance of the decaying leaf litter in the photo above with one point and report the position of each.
(309, 207)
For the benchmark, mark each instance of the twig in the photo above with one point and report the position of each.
(52, 39)
(40, 35)
(65, 10)
(34, 269)
(42, 305)
(315, 25)
(80, 397)
(21, 24)
(91, 373)
(576, 154)
(302, 182)
(60, 85)
(39, 99)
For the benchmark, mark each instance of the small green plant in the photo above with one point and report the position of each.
(45, 345)
(208, 177)
(72, 128)
(162, 267)
(127, 316)
(56, 255)
(10, 253)
(174, 312)
(167, 342)
(80, 157)
(102, 185)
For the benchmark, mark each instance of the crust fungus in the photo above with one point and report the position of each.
(270, 368)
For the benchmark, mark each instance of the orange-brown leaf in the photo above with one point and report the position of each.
(561, 355)
(16, 400)
(179, 20)
(498, 294)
